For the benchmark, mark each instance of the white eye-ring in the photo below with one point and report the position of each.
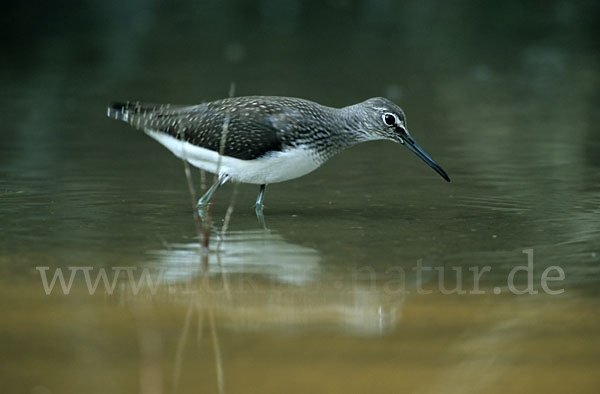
(389, 119)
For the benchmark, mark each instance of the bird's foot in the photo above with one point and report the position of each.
(258, 208)
(203, 209)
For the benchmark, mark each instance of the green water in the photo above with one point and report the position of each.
(331, 298)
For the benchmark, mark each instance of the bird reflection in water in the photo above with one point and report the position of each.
(257, 282)
(262, 281)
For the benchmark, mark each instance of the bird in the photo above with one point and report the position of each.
(266, 139)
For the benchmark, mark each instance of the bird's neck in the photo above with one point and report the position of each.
(343, 131)
(354, 125)
(338, 129)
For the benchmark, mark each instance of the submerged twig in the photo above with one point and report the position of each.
(223, 142)
(221, 238)
(202, 181)
(203, 229)
(214, 337)
(210, 203)
(181, 347)
(228, 214)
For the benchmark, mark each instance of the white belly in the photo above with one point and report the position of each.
(272, 168)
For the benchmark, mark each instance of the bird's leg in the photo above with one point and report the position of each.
(205, 199)
(259, 205)
(259, 199)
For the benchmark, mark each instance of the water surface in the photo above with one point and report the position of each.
(353, 287)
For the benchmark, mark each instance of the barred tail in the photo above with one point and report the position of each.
(119, 111)
(143, 115)
(124, 111)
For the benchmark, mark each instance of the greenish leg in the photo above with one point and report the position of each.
(206, 198)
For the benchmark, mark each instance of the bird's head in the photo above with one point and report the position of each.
(379, 118)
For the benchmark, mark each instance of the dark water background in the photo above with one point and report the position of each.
(503, 95)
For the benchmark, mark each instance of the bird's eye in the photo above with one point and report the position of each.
(389, 119)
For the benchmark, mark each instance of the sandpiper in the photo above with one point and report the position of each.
(262, 139)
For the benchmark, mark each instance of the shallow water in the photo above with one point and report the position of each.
(374, 275)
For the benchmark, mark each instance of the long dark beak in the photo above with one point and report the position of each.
(416, 148)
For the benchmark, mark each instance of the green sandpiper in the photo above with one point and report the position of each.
(263, 139)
